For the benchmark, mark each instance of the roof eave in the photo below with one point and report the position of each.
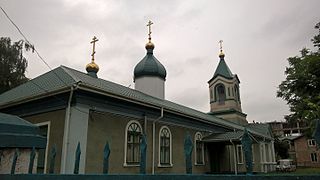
(35, 97)
(230, 78)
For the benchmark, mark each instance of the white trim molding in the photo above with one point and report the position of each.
(46, 123)
(311, 142)
(126, 143)
(240, 161)
(159, 151)
(198, 137)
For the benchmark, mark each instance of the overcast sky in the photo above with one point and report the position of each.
(258, 38)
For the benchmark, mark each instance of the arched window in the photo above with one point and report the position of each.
(221, 93)
(132, 145)
(199, 149)
(237, 94)
(165, 147)
(211, 94)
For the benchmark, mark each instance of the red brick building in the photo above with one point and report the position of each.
(302, 150)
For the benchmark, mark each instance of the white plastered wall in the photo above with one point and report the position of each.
(153, 86)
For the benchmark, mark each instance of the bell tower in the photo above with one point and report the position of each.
(224, 89)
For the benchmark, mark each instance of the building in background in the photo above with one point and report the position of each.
(286, 129)
(301, 149)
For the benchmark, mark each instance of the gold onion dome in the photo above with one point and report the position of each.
(92, 67)
(221, 55)
(150, 45)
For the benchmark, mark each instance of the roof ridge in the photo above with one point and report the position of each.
(223, 69)
(67, 70)
(38, 86)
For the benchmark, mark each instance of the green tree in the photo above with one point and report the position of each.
(12, 63)
(301, 88)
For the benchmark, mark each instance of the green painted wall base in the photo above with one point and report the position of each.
(155, 177)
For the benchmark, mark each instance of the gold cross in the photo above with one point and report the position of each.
(149, 25)
(220, 43)
(94, 40)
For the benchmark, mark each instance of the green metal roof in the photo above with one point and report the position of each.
(228, 111)
(261, 128)
(62, 78)
(224, 137)
(150, 66)
(49, 82)
(16, 132)
(223, 70)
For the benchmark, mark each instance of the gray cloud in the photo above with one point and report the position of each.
(258, 38)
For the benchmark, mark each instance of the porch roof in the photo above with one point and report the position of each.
(224, 137)
(19, 133)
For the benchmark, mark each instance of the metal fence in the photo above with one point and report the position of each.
(52, 157)
(154, 177)
(106, 154)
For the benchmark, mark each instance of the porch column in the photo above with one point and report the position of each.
(273, 155)
(270, 160)
(262, 156)
(235, 159)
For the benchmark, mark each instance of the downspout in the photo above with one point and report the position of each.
(66, 129)
(153, 139)
(235, 158)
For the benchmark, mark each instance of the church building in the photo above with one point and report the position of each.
(71, 106)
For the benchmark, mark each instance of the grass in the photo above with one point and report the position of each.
(299, 171)
(308, 171)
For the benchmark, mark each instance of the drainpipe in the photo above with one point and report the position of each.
(67, 129)
(235, 158)
(153, 139)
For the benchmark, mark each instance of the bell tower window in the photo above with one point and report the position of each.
(211, 94)
(237, 94)
(221, 93)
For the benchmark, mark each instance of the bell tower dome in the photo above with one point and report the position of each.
(225, 101)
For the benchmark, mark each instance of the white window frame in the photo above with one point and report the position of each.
(198, 134)
(311, 142)
(211, 94)
(314, 156)
(159, 153)
(240, 161)
(253, 154)
(126, 143)
(46, 123)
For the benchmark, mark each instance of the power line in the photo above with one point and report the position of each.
(42, 59)
(38, 54)
(33, 48)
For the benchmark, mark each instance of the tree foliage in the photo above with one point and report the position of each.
(301, 88)
(12, 63)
